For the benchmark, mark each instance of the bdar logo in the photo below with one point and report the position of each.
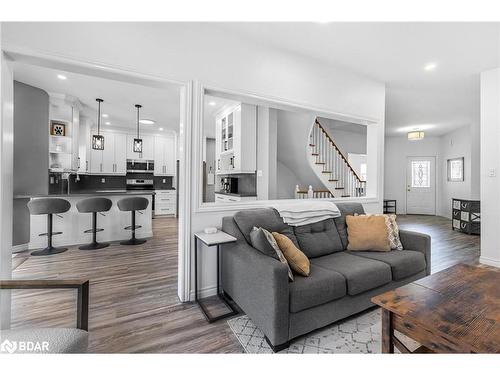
(8, 346)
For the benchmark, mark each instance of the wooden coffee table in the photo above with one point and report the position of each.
(456, 310)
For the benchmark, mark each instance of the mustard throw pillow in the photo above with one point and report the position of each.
(367, 233)
(297, 260)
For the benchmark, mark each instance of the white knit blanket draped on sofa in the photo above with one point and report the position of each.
(306, 212)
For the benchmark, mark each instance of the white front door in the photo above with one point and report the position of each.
(421, 186)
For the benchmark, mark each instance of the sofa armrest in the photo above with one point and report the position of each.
(257, 283)
(418, 242)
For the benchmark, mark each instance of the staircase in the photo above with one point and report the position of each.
(332, 168)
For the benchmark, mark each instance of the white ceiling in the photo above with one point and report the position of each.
(396, 53)
(160, 105)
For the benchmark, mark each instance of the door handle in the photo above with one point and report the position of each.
(86, 166)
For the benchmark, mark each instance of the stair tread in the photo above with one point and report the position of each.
(320, 163)
(339, 188)
(310, 144)
(333, 180)
(314, 154)
(344, 196)
(326, 172)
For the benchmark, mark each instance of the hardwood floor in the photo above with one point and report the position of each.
(448, 247)
(133, 291)
(134, 306)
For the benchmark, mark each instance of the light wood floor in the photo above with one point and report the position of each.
(133, 292)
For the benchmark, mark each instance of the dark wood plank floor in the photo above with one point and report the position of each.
(133, 293)
(134, 306)
(448, 247)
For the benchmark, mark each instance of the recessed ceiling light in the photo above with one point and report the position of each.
(105, 115)
(107, 123)
(212, 103)
(161, 129)
(62, 77)
(430, 66)
(146, 121)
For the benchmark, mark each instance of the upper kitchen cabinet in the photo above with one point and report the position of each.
(236, 140)
(113, 159)
(147, 147)
(164, 156)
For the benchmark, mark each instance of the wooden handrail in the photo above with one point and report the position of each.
(338, 150)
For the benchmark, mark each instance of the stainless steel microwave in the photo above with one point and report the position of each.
(140, 166)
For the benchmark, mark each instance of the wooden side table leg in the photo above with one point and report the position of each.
(387, 332)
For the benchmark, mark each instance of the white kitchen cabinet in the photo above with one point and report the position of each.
(164, 156)
(84, 141)
(113, 159)
(147, 147)
(236, 140)
(224, 198)
(165, 202)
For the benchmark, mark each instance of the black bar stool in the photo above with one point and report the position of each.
(49, 207)
(93, 206)
(133, 204)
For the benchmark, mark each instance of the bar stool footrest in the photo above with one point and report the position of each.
(97, 230)
(46, 234)
(131, 227)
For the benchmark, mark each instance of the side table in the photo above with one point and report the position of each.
(212, 239)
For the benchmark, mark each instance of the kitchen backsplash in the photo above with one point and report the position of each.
(94, 182)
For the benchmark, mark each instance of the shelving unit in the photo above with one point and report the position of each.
(389, 206)
(466, 216)
(60, 147)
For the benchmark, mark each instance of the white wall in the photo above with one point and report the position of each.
(199, 52)
(458, 143)
(490, 167)
(6, 185)
(454, 145)
(397, 150)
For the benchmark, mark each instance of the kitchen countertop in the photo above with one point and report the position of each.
(237, 194)
(84, 193)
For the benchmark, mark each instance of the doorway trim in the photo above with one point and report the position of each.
(128, 75)
(436, 185)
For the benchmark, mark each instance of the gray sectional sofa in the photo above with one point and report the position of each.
(341, 283)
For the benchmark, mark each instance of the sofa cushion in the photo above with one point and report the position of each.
(321, 286)
(361, 273)
(404, 263)
(51, 340)
(296, 259)
(318, 239)
(260, 241)
(267, 218)
(367, 233)
(346, 209)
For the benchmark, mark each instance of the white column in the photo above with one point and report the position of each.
(490, 167)
(6, 175)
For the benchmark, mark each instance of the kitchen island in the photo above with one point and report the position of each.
(73, 223)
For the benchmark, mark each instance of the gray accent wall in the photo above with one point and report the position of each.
(31, 148)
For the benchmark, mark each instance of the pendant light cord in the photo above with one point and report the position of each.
(99, 101)
(138, 106)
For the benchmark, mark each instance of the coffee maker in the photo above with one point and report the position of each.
(229, 185)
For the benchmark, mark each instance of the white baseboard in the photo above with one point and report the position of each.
(19, 248)
(204, 292)
(490, 261)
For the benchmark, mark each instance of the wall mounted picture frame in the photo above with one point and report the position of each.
(455, 169)
(57, 128)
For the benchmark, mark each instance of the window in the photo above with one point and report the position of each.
(420, 174)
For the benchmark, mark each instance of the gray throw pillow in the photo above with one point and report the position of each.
(265, 243)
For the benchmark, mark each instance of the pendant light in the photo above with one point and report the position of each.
(138, 141)
(98, 139)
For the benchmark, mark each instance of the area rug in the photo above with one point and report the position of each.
(358, 334)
